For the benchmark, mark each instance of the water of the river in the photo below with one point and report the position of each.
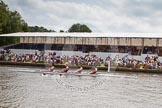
(28, 89)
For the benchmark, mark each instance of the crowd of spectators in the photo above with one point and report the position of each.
(149, 63)
(89, 60)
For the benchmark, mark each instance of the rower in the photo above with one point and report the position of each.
(79, 70)
(52, 68)
(65, 70)
(94, 71)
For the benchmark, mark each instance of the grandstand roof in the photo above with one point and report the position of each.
(54, 34)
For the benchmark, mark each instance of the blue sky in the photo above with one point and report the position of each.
(99, 15)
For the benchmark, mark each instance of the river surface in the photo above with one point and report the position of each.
(25, 87)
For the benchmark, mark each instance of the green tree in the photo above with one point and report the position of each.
(11, 22)
(4, 16)
(15, 23)
(38, 29)
(61, 31)
(79, 28)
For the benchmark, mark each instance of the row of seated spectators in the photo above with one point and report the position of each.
(90, 60)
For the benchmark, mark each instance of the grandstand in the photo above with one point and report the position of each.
(136, 45)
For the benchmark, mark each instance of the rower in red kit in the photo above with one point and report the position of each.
(94, 71)
(79, 70)
(52, 68)
(65, 70)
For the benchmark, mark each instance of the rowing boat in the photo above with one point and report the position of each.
(69, 73)
(44, 72)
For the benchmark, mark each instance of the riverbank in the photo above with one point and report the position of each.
(113, 68)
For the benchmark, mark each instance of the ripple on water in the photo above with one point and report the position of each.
(120, 90)
(12, 92)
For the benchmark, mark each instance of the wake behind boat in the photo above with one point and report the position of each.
(90, 75)
(26, 70)
(44, 72)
